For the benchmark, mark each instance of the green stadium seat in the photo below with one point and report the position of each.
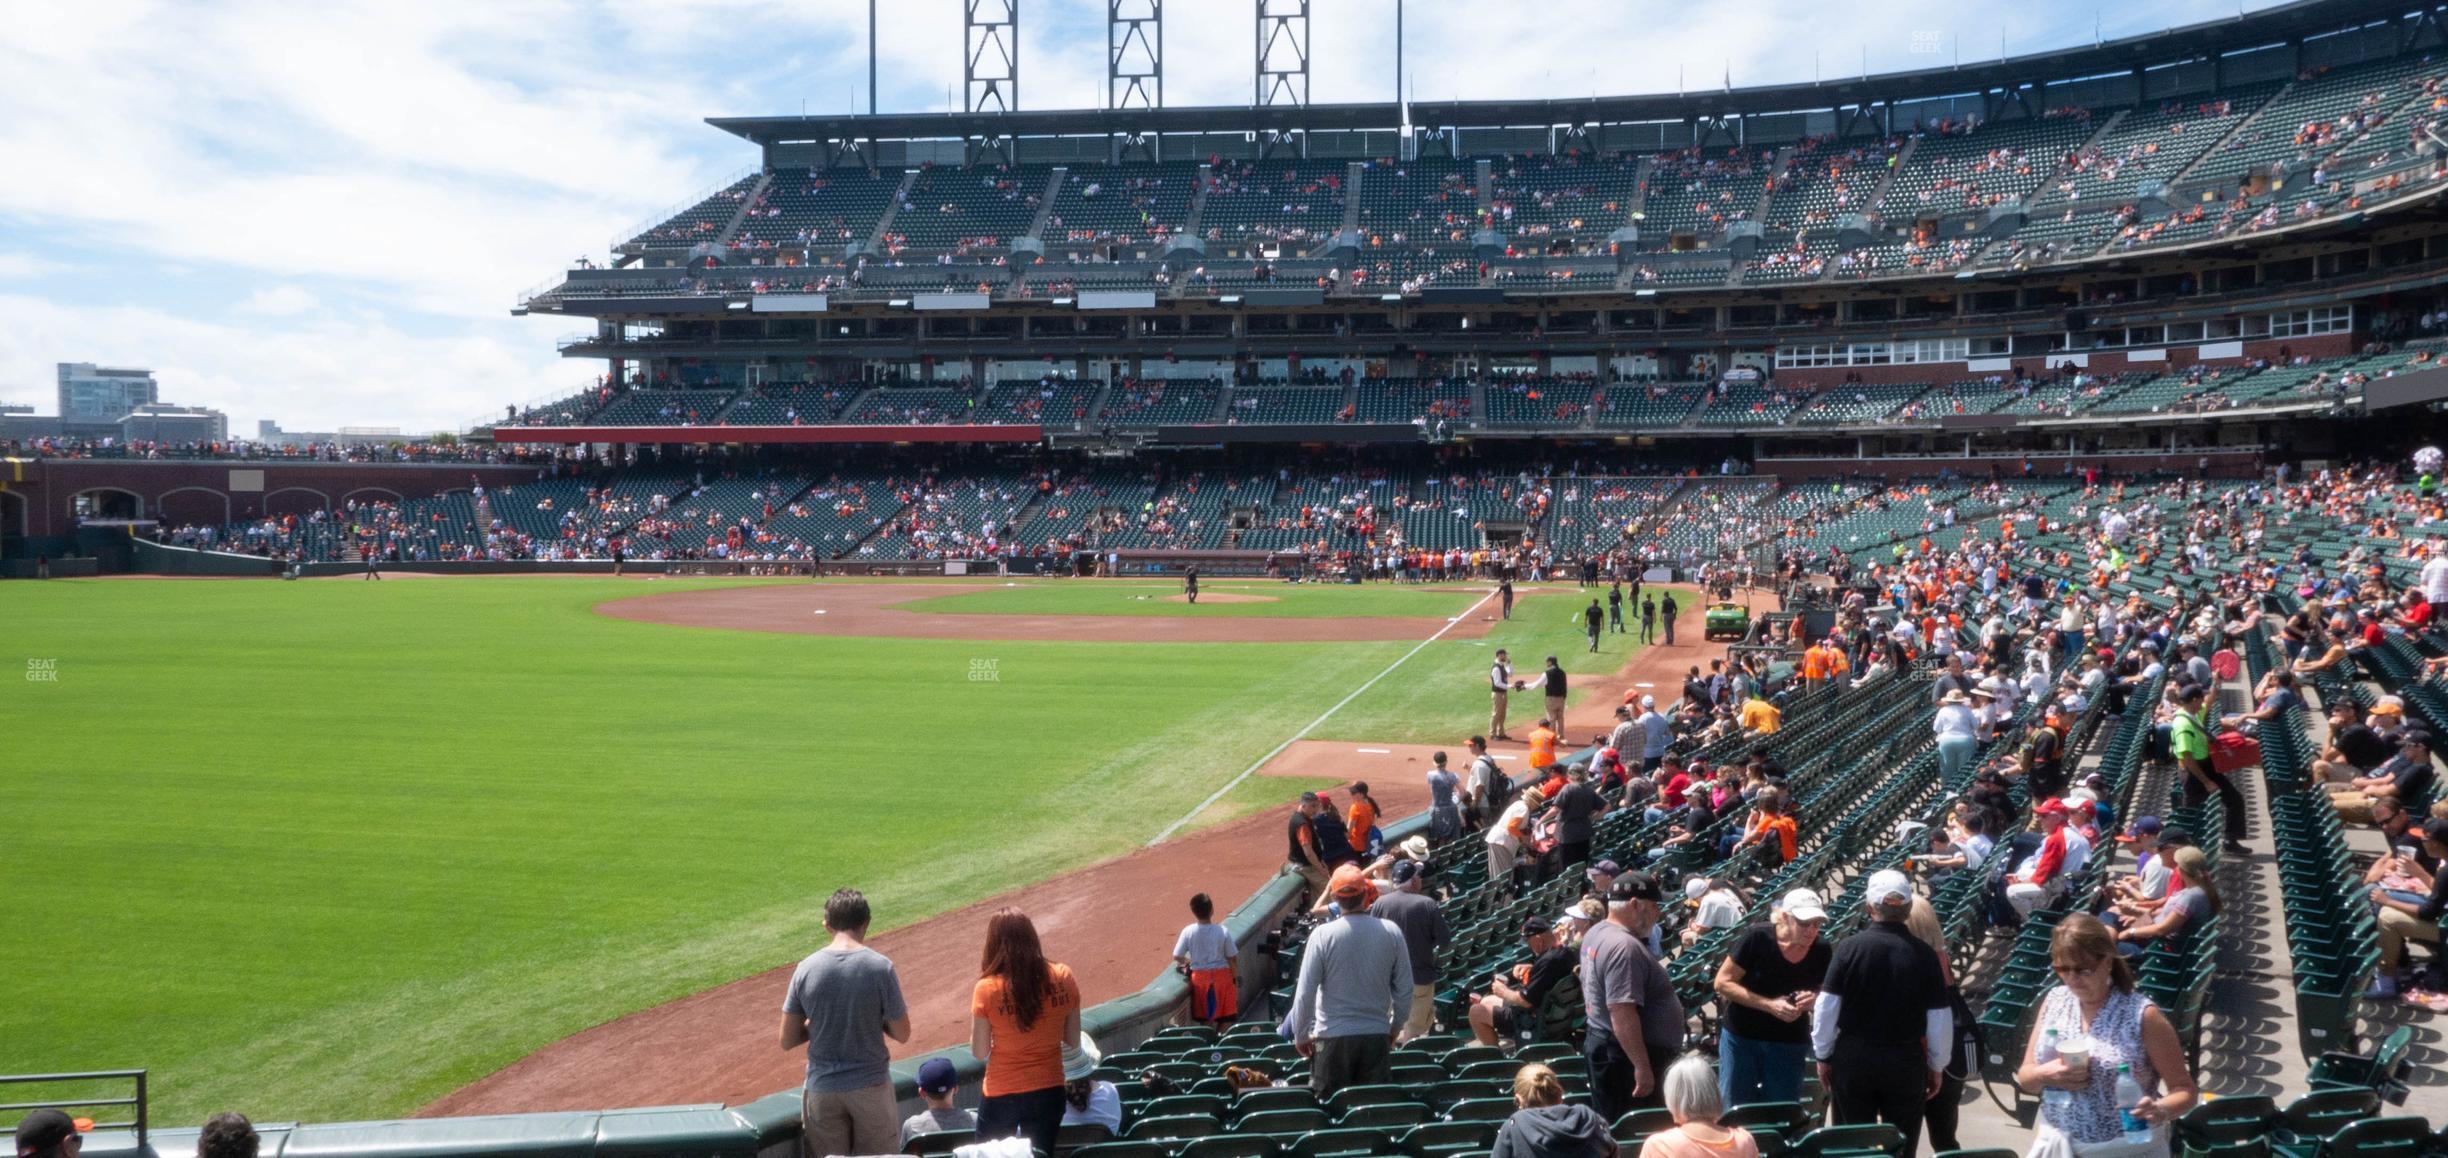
(1635, 1125)
(1836, 1141)
(1481, 1110)
(939, 1142)
(1342, 1143)
(1446, 1139)
(1173, 1126)
(1385, 1116)
(1343, 1100)
(1235, 1145)
(1275, 1098)
(1288, 1121)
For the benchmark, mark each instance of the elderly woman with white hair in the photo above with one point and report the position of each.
(1692, 1097)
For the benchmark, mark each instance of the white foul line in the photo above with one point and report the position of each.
(1246, 773)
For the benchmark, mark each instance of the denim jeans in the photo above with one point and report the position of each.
(1750, 1070)
(1954, 755)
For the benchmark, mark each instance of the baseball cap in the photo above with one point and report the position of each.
(1348, 881)
(2049, 807)
(44, 1129)
(1648, 701)
(1888, 887)
(1533, 926)
(1404, 872)
(2141, 827)
(935, 1075)
(1604, 868)
(2436, 829)
(1802, 905)
(1695, 888)
(2388, 706)
(1635, 886)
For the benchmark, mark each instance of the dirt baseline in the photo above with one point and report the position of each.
(874, 610)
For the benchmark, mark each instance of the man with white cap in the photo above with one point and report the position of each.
(1765, 988)
(1657, 734)
(1882, 1028)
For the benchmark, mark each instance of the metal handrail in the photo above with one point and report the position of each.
(142, 1124)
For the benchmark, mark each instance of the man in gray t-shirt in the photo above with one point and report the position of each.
(1424, 931)
(844, 1000)
(1623, 985)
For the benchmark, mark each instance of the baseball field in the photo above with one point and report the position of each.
(329, 850)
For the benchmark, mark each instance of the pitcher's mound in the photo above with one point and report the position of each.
(1223, 597)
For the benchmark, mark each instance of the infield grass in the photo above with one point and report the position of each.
(329, 850)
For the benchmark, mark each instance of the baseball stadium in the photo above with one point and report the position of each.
(1301, 630)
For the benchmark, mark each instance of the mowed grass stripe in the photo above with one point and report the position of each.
(329, 850)
(1143, 597)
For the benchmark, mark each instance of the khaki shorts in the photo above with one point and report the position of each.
(1423, 1012)
(850, 1122)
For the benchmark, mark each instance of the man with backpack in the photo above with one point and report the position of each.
(1488, 789)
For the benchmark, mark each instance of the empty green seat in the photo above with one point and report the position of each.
(1833, 1141)
(1341, 1143)
(1299, 1120)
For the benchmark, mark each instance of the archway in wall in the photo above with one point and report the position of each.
(299, 501)
(192, 506)
(106, 503)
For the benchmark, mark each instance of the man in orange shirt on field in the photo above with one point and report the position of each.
(1543, 743)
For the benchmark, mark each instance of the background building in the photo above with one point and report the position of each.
(98, 395)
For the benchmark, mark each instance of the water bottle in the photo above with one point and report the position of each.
(2054, 1097)
(2129, 1095)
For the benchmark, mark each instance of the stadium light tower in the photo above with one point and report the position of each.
(1134, 54)
(990, 55)
(1283, 53)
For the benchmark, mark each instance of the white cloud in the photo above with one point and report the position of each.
(310, 372)
(278, 301)
(26, 265)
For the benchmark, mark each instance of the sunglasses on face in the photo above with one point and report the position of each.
(2073, 971)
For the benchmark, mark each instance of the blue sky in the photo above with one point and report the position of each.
(321, 213)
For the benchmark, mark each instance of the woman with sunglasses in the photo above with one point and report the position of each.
(2095, 1000)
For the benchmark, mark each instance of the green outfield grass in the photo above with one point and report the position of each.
(1136, 597)
(329, 850)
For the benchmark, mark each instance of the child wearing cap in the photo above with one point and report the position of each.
(938, 1082)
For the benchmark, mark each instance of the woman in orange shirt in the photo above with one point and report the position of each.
(1023, 1016)
(1363, 822)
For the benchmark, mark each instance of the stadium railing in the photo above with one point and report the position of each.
(139, 1128)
